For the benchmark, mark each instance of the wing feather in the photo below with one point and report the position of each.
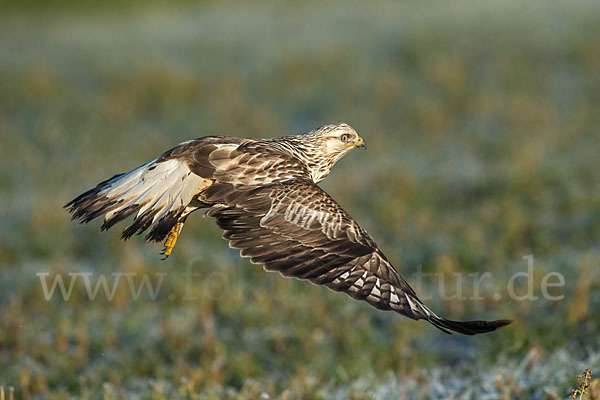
(295, 228)
(157, 193)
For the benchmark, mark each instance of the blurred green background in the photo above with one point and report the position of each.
(482, 120)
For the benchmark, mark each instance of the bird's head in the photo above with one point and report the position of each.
(327, 144)
(336, 139)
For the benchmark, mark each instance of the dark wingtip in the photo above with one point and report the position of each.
(71, 204)
(469, 327)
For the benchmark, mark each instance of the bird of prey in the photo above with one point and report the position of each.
(263, 193)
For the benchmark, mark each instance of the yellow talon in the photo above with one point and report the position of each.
(171, 239)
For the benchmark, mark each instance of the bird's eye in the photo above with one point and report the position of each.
(345, 137)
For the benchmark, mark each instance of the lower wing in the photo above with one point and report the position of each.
(297, 229)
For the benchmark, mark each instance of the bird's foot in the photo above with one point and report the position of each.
(171, 239)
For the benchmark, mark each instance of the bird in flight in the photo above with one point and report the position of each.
(263, 193)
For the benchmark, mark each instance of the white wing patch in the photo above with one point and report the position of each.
(375, 291)
(411, 303)
(163, 186)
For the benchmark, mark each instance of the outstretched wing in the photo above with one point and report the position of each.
(297, 229)
(163, 192)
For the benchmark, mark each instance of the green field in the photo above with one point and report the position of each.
(483, 127)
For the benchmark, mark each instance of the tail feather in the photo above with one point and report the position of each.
(158, 193)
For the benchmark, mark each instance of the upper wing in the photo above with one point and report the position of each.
(299, 230)
(161, 193)
(226, 159)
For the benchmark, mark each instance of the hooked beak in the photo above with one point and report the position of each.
(359, 143)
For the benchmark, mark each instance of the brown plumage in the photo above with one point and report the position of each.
(264, 195)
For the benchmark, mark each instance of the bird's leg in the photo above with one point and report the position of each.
(172, 238)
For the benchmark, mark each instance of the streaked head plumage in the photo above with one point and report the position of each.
(328, 144)
(336, 138)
